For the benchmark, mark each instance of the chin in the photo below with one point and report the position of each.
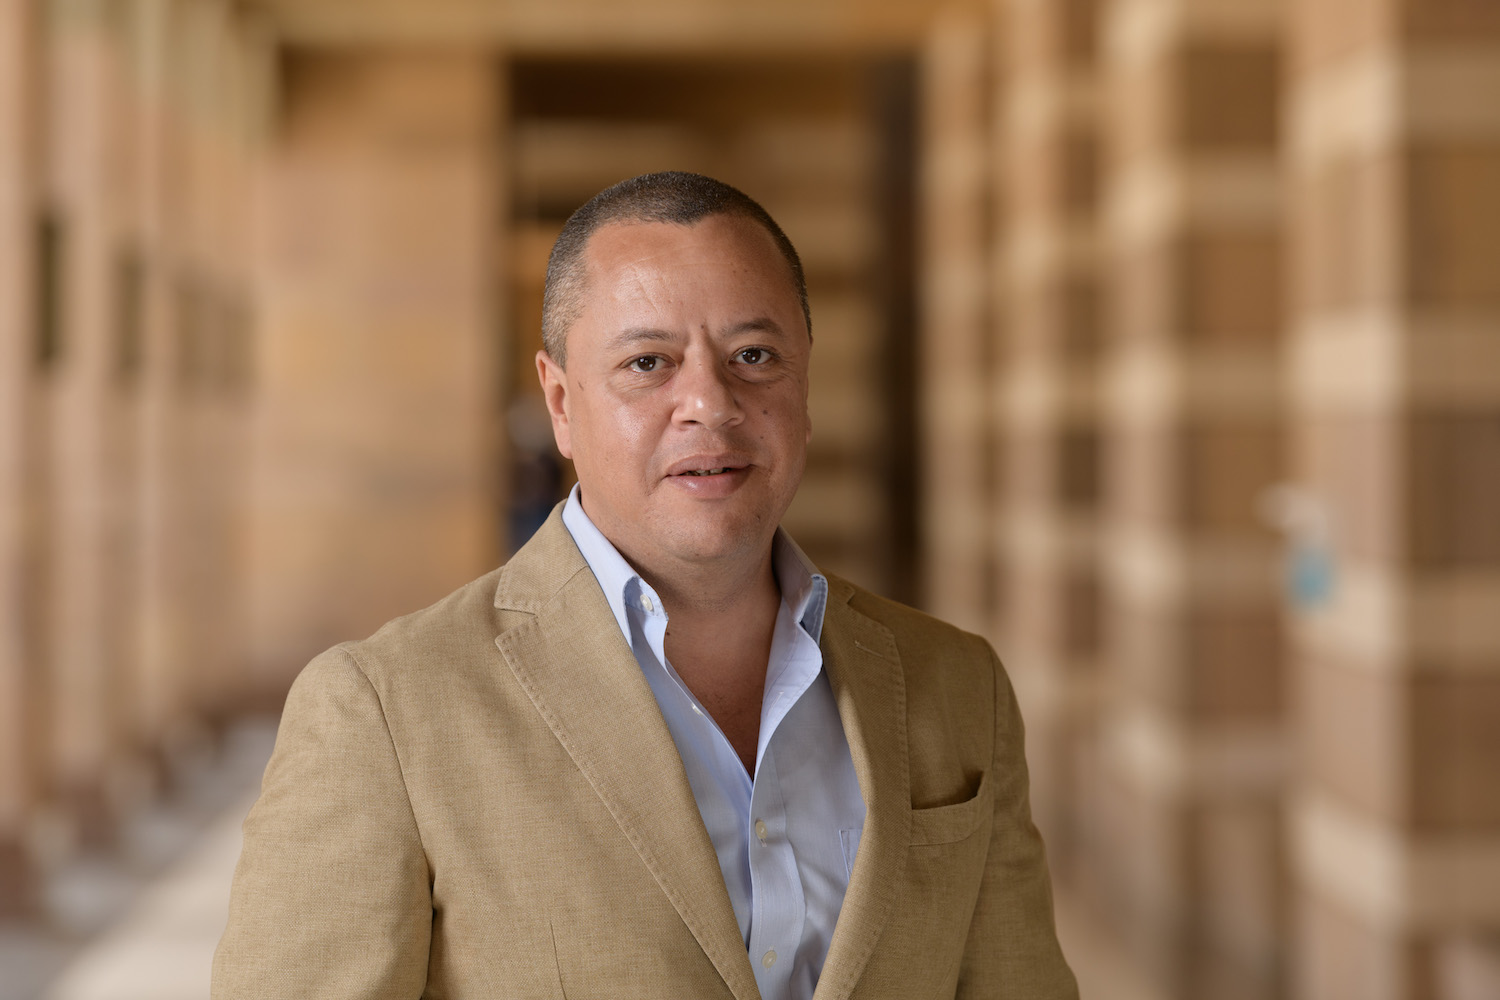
(707, 547)
(709, 543)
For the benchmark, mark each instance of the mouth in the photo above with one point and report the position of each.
(707, 466)
(709, 477)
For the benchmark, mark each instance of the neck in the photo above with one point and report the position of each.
(718, 639)
(719, 597)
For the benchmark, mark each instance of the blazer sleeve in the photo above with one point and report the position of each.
(1012, 949)
(332, 895)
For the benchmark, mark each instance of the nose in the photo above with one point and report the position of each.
(706, 396)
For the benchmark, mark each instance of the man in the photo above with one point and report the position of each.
(656, 754)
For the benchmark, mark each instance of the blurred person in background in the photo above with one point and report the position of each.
(657, 753)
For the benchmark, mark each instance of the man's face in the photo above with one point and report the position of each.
(684, 403)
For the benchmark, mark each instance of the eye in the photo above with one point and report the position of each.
(644, 363)
(754, 355)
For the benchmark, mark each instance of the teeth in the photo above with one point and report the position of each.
(703, 472)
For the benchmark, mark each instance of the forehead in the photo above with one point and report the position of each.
(717, 254)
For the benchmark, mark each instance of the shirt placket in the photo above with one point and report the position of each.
(778, 909)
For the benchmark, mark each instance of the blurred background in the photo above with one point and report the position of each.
(1158, 341)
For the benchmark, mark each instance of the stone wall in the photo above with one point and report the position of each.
(125, 299)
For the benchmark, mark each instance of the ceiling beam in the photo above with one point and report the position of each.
(599, 27)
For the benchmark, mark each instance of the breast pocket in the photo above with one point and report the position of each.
(954, 822)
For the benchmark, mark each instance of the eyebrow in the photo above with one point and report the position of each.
(655, 335)
(763, 324)
(637, 335)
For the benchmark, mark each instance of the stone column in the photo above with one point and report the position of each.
(373, 461)
(214, 365)
(958, 453)
(20, 682)
(119, 406)
(86, 693)
(1395, 365)
(250, 60)
(194, 233)
(1193, 401)
(161, 600)
(1051, 319)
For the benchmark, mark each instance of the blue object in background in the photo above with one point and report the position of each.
(1309, 575)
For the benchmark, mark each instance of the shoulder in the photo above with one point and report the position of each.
(452, 636)
(458, 632)
(463, 617)
(948, 674)
(914, 631)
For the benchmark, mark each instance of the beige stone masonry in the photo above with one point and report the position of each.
(1048, 328)
(1192, 404)
(958, 459)
(20, 670)
(375, 469)
(1394, 157)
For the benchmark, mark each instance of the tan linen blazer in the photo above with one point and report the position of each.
(483, 801)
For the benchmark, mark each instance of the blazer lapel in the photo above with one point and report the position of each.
(571, 660)
(864, 670)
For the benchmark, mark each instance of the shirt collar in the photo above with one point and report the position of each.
(803, 588)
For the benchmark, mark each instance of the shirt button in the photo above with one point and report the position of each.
(646, 603)
(697, 710)
(769, 958)
(760, 830)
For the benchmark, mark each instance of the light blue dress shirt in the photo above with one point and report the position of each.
(786, 840)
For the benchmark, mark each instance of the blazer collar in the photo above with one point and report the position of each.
(864, 670)
(570, 658)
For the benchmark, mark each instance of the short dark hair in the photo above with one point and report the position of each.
(673, 196)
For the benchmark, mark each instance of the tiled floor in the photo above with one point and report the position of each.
(141, 919)
(137, 927)
(162, 946)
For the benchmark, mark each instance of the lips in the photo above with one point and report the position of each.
(700, 466)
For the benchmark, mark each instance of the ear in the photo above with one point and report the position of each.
(555, 392)
(806, 413)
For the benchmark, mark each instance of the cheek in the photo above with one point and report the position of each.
(791, 420)
(628, 431)
(621, 439)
